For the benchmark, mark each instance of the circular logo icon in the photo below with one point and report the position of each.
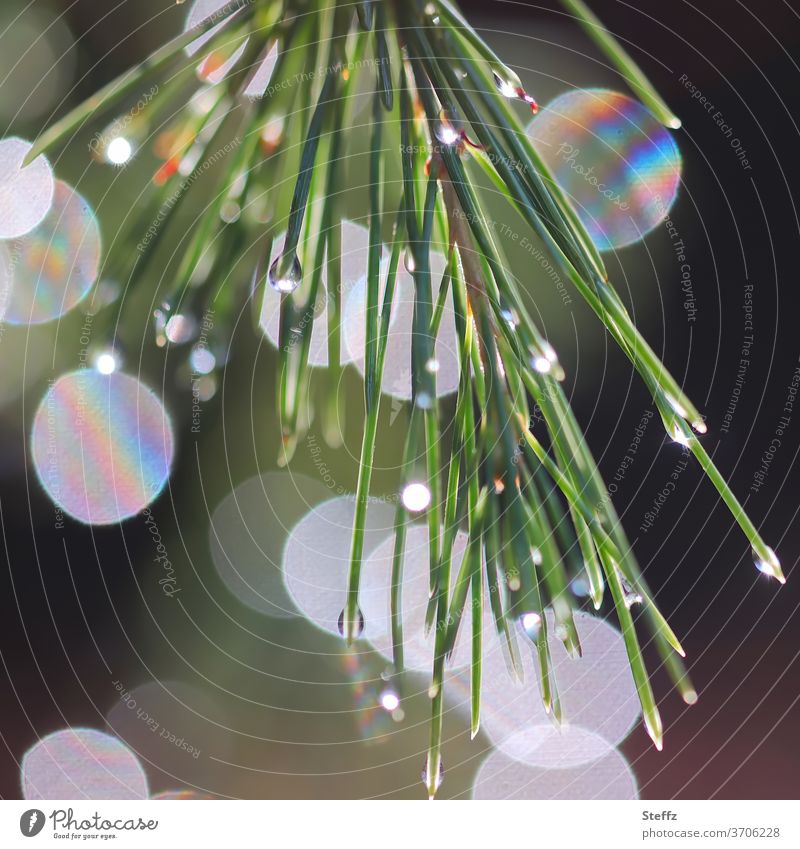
(31, 822)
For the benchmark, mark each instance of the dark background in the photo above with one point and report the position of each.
(68, 629)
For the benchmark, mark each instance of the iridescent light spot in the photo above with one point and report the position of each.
(376, 583)
(609, 776)
(56, 264)
(597, 694)
(25, 193)
(81, 763)
(616, 162)
(102, 445)
(354, 250)
(397, 367)
(316, 561)
(248, 533)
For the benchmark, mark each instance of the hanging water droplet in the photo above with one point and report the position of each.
(286, 273)
(536, 556)
(510, 317)
(505, 87)
(408, 261)
(678, 434)
(439, 777)
(630, 595)
(769, 564)
(447, 128)
(531, 624)
(432, 366)
(512, 88)
(361, 623)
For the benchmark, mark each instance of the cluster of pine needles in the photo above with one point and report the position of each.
(444, 114)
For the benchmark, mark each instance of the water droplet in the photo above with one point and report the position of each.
(505, 87)
(531, 624)
(541, 364)
(536, 556)
(432, 365)
(105, 362)
(448, 129)
(514, 90)
(416, 497)
(630, 596)
(286, 273)
(119, 150)
(510, 317)
(439, 778)
(769, 564)
(678, 435)
(389, 699)
(361, 623)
